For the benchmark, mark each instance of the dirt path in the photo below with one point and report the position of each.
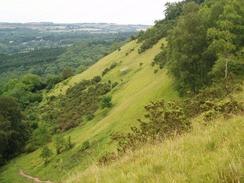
(34, 179)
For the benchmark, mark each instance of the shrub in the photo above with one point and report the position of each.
(89, 116)
(62, 144)
(68, 143)
(59, 143)
(40, 136)
(30, 148)
(114, 84)
(209, 115)
(162, 120)
(67, 72)
(85, 145)
(80, 102)
(107, 158)
(155, 71)
(106, 102)
(96, 79)
(46, 153)
(106, 70)
(161, 58)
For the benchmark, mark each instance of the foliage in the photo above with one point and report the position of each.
(161, 58)
(154, 34)
(85, 145)
(62, 144)
(162, 27)
(39, 137)
(81, 101)
(46, 153)
(106, 70)
(26, 89)
(217, 148)
(211, 100)
(52, 80)
(13, 131)
(107, 158)
(226, 38)
(106, 102)
(162, 121)
(205, 44)
(80, 53)
(67, 72)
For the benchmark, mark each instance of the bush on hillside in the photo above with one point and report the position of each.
(62, 144)
(85, 145)
(46, 153)
(108, 69)
(107, 158)
(162, 120)
(210, 99)
(106, 102)
(80, 103)
(39, 137)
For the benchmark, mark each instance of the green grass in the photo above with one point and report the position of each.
(136, 88)
(208, 154)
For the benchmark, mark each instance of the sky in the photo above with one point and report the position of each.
(80, 11)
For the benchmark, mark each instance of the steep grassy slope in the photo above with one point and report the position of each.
(208, 154)
(138, 85)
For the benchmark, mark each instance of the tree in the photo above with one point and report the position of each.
(187, 45)
(173, 10)
(40, 136)
(46, 153)
(26, 89)
(32, 82)
(106, 102)
(52, 80)
(67, 72)
(226, 38)
(13, 131)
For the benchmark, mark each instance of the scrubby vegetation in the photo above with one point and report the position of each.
(162, 120)
(90, 119)
(46, 154)
(106, 70)
(81, 102)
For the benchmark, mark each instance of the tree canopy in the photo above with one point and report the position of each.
(13, 131)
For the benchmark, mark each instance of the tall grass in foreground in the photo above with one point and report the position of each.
(212, 153)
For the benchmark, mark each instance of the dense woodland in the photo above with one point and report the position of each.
(204, 52)
(204, 42)
(49, 63)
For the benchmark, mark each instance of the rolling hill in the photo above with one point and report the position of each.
(165, 107)
(138, 84)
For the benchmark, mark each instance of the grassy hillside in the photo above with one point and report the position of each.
(212, 153)
(138, 84)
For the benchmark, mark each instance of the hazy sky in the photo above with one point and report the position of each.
(73, 11)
